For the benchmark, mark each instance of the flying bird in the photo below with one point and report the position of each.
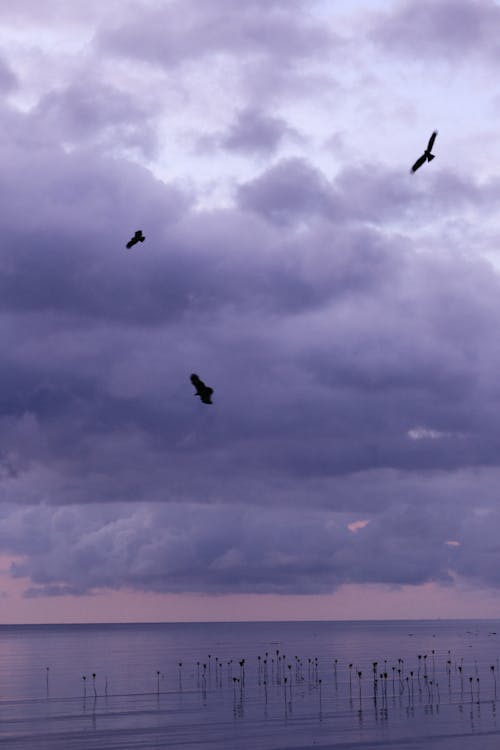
(426, 156)
(202, 390)
(138, 237)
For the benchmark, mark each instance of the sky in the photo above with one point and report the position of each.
(345, 311)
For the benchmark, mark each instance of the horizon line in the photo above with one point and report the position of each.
(244, 622)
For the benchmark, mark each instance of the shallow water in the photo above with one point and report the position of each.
(141, 698)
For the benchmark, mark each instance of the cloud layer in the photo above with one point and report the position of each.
(346, 315)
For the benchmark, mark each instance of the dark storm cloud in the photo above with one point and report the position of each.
(292, 191)
(88, 112)
(289, 192)
(477, 556)
(252, 132)
(350, 334)
(77, 212)
(8, 79)
(197, 548)
(343, 303)
(221, 549)
(445, 29)
(178, 32)
(270, 48)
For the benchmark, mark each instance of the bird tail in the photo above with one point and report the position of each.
(430, 157)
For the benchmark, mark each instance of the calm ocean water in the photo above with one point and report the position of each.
(439, 692)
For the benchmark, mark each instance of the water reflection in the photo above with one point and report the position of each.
(165, 679)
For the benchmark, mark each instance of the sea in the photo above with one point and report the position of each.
(253, 685)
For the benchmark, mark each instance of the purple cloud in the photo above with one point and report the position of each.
(173, 34)
(252, 132)
(446, 29)
(196, 548)
(221, 549)
(8, 79)
(289, 192)
(292, 189)
(344, 316)
(91, 112)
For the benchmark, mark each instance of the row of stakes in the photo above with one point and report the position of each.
(277, 672)
(285, 674)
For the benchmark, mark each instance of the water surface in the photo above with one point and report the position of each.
(182, 685)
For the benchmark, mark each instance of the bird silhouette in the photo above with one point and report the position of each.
(138, 237)
(202, 390)
(426, 156)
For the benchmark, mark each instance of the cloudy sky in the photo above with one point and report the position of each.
(346, 311)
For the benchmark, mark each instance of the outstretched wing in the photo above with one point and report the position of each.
(202, 390)
(418, 163)
(431, 140)
(198, 384)
(131, 243)
(206, 395)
